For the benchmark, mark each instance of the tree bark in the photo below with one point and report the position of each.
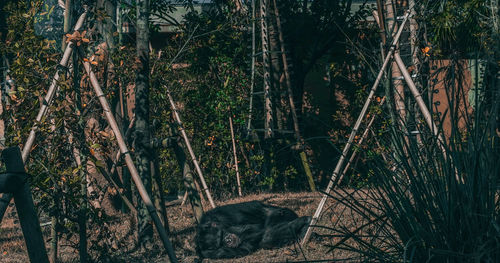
(107, 24)
(268, 124)
(276, 72)
(142, 136)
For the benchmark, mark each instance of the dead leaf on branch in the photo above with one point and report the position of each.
(77, 38)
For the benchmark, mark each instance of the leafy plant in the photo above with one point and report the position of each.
(425, 205)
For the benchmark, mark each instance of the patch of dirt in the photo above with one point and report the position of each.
(182, 227)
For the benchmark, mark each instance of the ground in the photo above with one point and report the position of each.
(182, 226)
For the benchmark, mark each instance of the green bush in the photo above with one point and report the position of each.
(426, 206)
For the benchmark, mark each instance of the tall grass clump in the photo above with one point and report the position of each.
(425, 205)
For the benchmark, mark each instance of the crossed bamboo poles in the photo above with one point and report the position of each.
(337, 174)
(114, 126)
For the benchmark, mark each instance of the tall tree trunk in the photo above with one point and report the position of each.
(119, 23)
(276, 71)
(107, 24)
(84, 180)
(142, 136)
(268, 124)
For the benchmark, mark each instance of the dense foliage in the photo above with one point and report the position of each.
(428, 205)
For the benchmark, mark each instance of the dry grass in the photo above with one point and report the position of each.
(182, 226)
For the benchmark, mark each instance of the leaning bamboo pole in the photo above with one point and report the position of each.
(288, 81)
(128, 160)
(190, 150)
(348, 145)
(235, 156)
(51, 92)
(426, 113)
(5, 200)
(361, 140)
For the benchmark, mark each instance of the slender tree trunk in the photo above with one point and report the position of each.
(107, 25)
(276, 72)
(83, 212)
(53, 235)
(268, 124)
(119, 23)
(252, 76)
(126, 115)
(142, 135)
(158, 190)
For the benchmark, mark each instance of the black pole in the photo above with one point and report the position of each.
(28, 218)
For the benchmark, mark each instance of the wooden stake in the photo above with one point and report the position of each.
(188, 145)
(5, 200)
(235, 156)
(426, 113)
(363, 137)
(50, 93)
(23, 199)
(348, 145)
(128, 160)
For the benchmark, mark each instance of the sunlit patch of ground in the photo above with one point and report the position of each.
(182, 227)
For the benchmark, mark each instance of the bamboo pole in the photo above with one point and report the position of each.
(354, 132)
(50, 93)
(381, 20)
(128, 160)
(119, 190)
(363, 137)
(235, 156)
(252, 76)
(425, 112)
(68, 8)
(413, 35)
(190, 150)
(286, 70)
(5, 200)
(399, 98)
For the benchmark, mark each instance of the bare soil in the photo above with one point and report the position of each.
(121, 229)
